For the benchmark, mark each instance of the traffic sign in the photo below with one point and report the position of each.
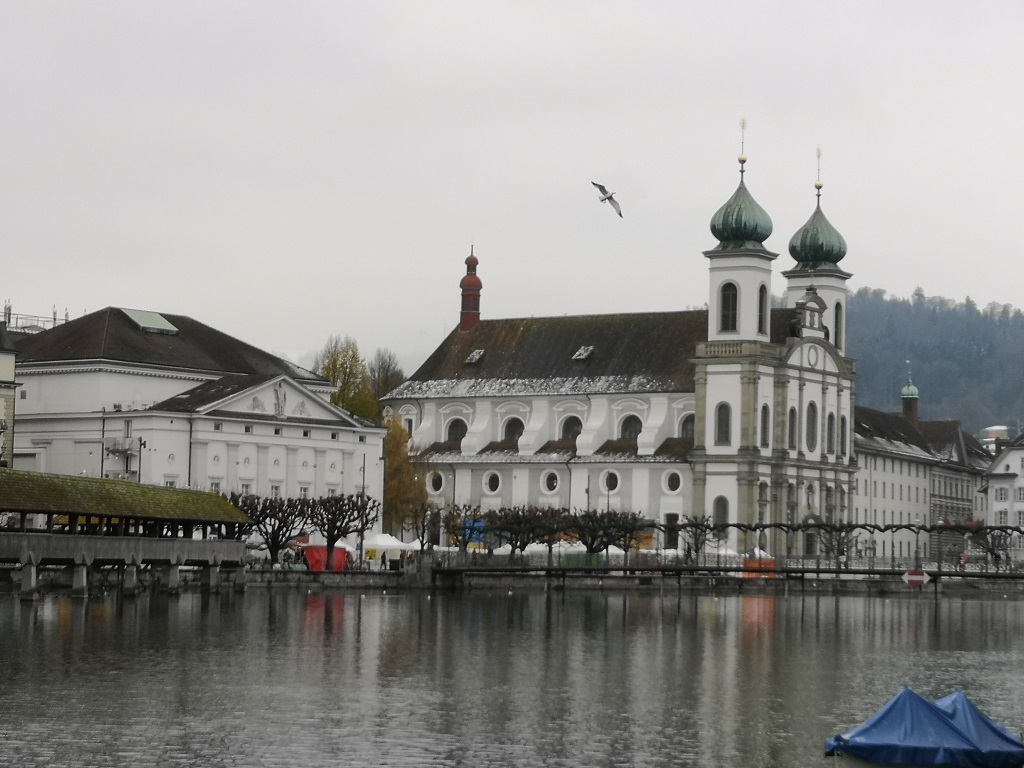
(916, 578)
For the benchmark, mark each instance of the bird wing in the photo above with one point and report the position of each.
(615, 205)
(600, 188)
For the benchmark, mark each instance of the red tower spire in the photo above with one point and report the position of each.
(471, 286)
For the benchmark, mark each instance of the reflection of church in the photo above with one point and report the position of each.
(740, 412)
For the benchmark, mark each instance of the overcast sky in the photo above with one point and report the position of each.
(286, 171)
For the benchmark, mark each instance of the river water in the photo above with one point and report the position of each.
(286, 678)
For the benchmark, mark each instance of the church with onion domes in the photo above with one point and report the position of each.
(741, 412)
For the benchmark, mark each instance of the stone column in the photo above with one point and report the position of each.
(29, 581)
(79, 580)
(172, 582)
(211, 577)
(130, 579)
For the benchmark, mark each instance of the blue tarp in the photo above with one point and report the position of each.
(910, 730)
(994, 739)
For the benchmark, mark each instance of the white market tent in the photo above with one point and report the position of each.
(386, 541)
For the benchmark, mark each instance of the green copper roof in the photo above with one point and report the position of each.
(741, 223)
(909, 391)
(817, 242)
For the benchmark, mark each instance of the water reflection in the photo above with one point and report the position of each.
(543, 679)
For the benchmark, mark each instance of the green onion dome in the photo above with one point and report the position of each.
(817, 242)
(909, 391)
(741, 222)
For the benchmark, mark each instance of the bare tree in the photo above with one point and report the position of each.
(385, 372)
(335, 517)
(277, 521)
(696, 530)
(592, 529)
(626, 530)
(425, 521)
(464, 525)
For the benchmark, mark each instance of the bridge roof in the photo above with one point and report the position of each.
(35, 492)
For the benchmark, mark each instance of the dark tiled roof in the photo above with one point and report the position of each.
(35, 492)
(872, 424)
(209, 392)
(650, 352)
(675, 448)
(109, 334)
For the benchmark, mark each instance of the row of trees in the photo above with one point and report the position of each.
(278, 522)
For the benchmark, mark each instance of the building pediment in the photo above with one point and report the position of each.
(278, 397)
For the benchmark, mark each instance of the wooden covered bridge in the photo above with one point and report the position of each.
(86, 524)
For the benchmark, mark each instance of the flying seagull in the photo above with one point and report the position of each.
(607, 197)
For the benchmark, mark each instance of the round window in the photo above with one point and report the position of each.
(611, 481)
(673, 481)
(492, 482)
(436, 482)
(551, 482)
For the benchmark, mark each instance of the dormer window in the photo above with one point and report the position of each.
(583, 352)
(474, 357)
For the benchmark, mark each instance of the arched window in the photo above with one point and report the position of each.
(842, 435)
(792, 429)
(571, 428)
(630, 428)
(765, 427)
(723, 424)
(830, 433)
(812, 426)
(456, 431)
(728, 307)
(513, 430)
(687, 426)
(762, 310)
(720, 515)
(839, 326)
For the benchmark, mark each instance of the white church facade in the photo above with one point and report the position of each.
(741, 412)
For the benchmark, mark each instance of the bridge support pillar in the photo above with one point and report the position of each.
(130, 579)
(79, 580)
(172, 578)
(211, 578)
(29, 581)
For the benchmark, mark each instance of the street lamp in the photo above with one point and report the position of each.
(142, 446)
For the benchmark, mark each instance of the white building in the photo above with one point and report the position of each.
(166, 400)
(741, 413)
(915, 472)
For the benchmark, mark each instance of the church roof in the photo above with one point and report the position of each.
(149, 338)
(575, 355)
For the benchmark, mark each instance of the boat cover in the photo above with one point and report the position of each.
(910, 730)
(994, 739)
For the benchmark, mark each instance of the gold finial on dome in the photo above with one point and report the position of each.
(743, 129)
(817, 184)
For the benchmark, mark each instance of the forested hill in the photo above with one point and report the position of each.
(968, 363)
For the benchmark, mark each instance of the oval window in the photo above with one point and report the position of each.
(673, 482)
(551, 482)
(493, 482)
(436, 482)
(611, 481)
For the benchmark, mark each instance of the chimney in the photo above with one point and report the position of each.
(471, 287)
